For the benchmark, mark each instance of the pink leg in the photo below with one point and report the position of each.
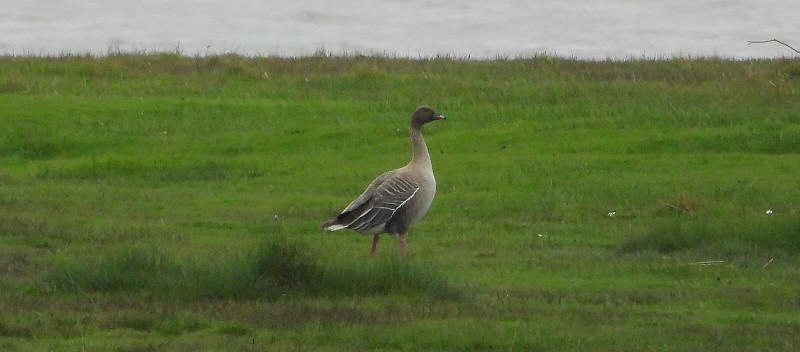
(374, 245)
(403, 244)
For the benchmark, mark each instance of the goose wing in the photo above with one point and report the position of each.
(377, 204)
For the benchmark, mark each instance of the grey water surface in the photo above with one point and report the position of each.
(585, 29)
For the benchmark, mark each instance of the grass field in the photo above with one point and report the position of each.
(160, 202)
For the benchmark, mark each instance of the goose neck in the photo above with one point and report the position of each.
(420, 149)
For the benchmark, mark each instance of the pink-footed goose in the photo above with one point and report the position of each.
(396, 199)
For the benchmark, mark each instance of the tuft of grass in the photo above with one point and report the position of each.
(280, 268)
(178, 324)
(131, 270)
(723, 238)
(277, 269)
(669, 236)
(384, 277)
(8, 329)
(780, 235)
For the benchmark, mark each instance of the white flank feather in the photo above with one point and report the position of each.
(335, 227)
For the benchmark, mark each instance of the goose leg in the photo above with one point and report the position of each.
(374, 245)
(403, 244)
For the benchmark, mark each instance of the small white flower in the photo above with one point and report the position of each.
(769, 212)
(612, 213)
(540, 235)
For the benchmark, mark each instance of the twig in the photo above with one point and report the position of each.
(772, 40)
(770, 261)
(709, 262)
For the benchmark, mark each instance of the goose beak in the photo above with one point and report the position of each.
(439, 117)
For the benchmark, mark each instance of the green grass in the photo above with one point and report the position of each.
(161, 202)
(274, 270)
(727, 238)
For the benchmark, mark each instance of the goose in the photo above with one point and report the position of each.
(396, 199)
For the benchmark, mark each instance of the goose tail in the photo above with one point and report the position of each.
(332, 225)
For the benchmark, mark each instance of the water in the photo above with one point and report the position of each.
(462, 28)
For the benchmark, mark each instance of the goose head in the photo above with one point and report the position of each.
(423, 115)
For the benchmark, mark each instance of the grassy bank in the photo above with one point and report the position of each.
(159, 202)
